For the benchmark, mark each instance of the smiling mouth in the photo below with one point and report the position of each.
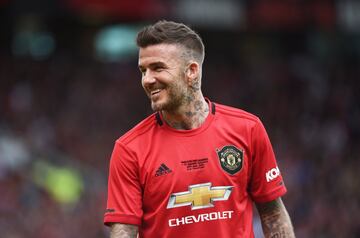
(155, 92)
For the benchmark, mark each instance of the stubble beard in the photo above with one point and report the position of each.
(175, 97)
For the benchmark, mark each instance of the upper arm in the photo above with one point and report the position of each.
(124, 203)
(118, 230)
(266, 182)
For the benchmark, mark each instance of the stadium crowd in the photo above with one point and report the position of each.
(59, 118)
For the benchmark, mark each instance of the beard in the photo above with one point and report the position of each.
(173, 93)
(172, 97)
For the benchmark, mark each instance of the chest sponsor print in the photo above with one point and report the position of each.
(200, 196)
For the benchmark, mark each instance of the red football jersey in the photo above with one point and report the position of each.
(193, 183)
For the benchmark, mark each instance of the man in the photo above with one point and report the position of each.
(193, 168)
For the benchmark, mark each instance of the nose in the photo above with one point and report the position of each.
(148, 78)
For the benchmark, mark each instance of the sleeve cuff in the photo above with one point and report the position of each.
(270, 196)
(121, 218)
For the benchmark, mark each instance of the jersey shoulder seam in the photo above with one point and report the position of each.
(139, 129)
(236, 112)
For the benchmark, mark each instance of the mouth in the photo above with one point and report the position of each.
(155, 92)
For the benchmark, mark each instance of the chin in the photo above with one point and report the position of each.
(156, 106)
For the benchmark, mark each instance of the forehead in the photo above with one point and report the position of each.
(166, 53)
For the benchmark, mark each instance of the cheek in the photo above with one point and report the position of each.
(144, 88)
(142, 84)
(178, 89)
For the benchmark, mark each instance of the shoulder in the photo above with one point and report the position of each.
(141, 129)
(236, 114)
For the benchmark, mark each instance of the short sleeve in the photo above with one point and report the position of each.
(266, 182)
(124, 204)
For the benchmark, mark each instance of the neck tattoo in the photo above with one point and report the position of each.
(193, 118)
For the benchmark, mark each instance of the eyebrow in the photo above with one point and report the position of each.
(154, 64)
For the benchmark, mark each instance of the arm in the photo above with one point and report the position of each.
(118, 230)
(275, 220)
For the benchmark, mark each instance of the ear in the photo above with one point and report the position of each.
(192, 72)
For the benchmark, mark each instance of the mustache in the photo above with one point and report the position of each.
(150, 88)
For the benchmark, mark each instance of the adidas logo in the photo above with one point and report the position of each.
(162, 170)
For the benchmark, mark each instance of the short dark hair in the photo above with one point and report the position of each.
(169, 32)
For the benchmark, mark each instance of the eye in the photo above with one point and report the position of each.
(142, 71)
(158, 69)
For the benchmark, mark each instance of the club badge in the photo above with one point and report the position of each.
(231, 159)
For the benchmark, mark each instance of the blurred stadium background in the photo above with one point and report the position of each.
(69, 86)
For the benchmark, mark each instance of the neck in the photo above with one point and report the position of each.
(189, 116)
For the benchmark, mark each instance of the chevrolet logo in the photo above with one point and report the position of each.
(200, 196)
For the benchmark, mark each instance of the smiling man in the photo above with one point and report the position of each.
(193, 168)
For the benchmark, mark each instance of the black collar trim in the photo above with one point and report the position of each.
(213, 108)
(158, 119)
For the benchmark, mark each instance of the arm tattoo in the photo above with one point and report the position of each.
(123, 231)
(275, 220)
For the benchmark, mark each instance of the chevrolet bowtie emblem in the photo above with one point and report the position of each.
(200, 196)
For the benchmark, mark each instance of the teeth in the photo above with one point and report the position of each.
(155, 91)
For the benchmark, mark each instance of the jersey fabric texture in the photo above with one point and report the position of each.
(193, 183)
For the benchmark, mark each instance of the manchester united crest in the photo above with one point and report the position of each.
(231, 159)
